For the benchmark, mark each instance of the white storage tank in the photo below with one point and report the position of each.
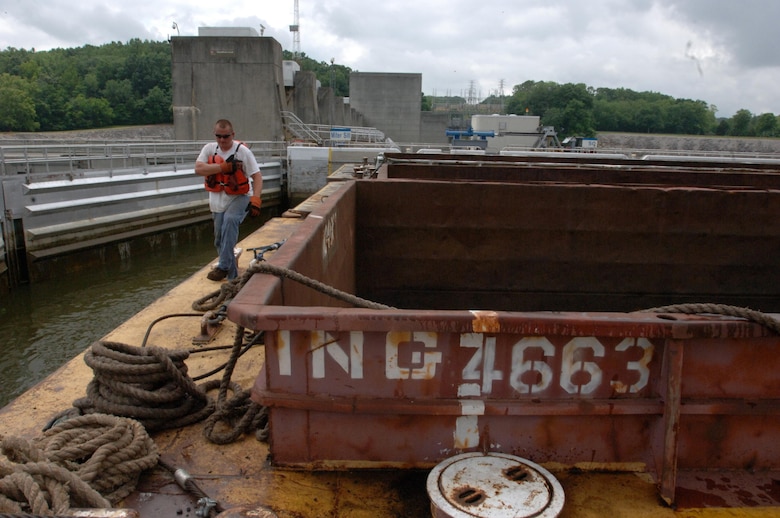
(503, 124)
(510, 130)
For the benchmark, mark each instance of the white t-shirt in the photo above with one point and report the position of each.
(218, 201)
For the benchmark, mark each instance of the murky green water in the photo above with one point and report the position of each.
(46, 324)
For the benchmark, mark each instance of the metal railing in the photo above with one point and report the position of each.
(69, 160)
(61, 197)
(298, 129)
(320, 134)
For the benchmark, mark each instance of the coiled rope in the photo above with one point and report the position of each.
(149, 384)
(240, 410)
(721, 309)
(88, 461)
(145, 388)
(95, 458)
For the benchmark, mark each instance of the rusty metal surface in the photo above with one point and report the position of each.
(728, 489)
(585, 168)
(575, 389)
(530, 247)
(561, 247)
(632, 173)
(587, 384)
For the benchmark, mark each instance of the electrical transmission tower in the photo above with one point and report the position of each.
(471, 97)
(295, 29)
(501, 94)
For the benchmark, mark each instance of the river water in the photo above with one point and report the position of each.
(44, 325)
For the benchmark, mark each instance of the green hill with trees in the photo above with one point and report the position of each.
(121, 84)
(86, 87)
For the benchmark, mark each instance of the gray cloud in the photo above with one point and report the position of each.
(746, 29)
(721, 52)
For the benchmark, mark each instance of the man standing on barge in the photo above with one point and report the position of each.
(226, 166)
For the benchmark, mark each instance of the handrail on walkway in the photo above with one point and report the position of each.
(41, 161)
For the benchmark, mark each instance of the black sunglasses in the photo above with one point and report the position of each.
(222, 136)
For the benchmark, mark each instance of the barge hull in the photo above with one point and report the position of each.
(595, 381)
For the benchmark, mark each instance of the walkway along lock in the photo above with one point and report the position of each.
(59, 200)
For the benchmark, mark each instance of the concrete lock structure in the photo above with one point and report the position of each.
(244, 79)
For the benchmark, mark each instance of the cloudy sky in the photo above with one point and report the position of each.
(723, 52)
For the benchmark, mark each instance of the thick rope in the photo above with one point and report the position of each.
(88, 461)
(83, 457)
(215, 299)
(282, 272)
(149, 384)
(721, 309)
(230, 289)
(240, 413)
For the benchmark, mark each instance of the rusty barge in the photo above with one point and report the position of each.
(610, 321)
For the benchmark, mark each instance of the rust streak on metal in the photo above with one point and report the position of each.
(674, 368)
(486, 322)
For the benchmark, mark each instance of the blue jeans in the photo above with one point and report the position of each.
(226, 233)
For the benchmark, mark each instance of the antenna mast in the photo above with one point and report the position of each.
(294, 28)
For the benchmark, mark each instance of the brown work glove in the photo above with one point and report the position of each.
(254, 206)
(227, 167)
(231, 166)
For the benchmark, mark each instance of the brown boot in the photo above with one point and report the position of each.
(217, 274)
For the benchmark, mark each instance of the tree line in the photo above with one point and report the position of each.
(119, 84)
(578, 109)
(86, 87)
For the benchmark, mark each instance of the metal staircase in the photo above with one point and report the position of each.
(319, 134)
(297, 129)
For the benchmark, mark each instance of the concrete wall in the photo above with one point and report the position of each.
(309, 167)
(305, 104)
(236, 78)
(339, 111)
(325, 101)
(241, 78)
(388, 102)
(433, 127)
(709, 144)
(361, 120)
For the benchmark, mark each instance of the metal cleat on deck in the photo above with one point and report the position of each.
(210, 324)
(260, 251)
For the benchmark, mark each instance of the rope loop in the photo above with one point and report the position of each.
(721, 309)
(215, 299)
(282, 272)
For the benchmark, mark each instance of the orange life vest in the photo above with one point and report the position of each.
(231, 183)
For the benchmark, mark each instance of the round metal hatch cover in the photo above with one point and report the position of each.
(493, 485)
